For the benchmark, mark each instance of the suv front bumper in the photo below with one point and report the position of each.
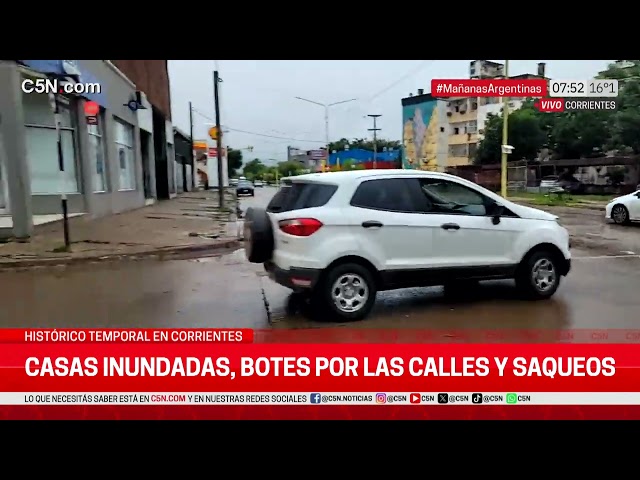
(294, 278)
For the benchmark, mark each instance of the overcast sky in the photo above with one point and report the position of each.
(258, 96)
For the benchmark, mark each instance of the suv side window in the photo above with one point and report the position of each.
(450, 198)
(389, 194)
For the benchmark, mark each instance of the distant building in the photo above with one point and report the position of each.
(309, 159)
(450, 129)
(185, 178)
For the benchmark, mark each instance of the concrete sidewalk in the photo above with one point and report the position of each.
(190, 222)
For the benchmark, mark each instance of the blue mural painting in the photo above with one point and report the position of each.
(357, 156)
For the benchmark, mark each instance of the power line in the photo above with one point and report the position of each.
(362, 105)
(256, 133)
(407, 75)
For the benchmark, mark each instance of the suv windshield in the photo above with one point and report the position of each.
(298, 195)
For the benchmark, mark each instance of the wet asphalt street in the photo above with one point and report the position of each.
(226, 291)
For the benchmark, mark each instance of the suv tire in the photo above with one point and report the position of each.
(350, 285)
(258, 235)
(538, 276)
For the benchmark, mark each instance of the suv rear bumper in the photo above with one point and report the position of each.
(294, 278)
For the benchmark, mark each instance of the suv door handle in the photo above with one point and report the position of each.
(450, 226)
(371, 224)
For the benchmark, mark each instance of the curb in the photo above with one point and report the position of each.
(157, 252)
(576, 207)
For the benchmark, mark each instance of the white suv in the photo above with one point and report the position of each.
(344, 236)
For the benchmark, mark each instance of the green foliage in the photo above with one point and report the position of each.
(234, 161)
(254, 169)
(525, 135)
(570, 134)
(361, 143)
(289, 169)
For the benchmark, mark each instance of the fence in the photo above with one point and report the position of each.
(611, 176)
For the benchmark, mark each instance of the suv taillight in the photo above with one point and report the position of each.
(300, 227)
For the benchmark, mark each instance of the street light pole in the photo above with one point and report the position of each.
(326, 116)
(375, 130)
(505, 137)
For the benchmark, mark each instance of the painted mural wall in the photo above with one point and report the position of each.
(422, 136)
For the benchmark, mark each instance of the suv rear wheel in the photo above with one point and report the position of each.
(258, 235)
(539, 275)
(347, 292)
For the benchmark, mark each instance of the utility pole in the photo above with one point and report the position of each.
(375, 130)
(505, 136)
(55, 105)
(216, 80)
(193, 152)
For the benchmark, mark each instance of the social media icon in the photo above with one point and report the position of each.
(315, 398)
(381, 398)
(414, 398)
(512, 398)
(443, 398)
(476, 398)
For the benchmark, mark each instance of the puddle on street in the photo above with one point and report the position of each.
(491, 305)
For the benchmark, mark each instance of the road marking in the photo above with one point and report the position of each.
(599, 257)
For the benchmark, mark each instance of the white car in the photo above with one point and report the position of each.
(625, 209)
(341, 237)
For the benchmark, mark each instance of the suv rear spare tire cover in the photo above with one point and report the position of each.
(258, 235)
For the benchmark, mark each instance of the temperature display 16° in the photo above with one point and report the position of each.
(602, 88)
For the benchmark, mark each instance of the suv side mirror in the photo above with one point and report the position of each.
(496, 210)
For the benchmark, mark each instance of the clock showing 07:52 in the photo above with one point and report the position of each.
(583, 88)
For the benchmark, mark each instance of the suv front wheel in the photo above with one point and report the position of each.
(539, 275)
(348, 292)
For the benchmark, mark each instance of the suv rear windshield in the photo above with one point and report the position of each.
(298, 195)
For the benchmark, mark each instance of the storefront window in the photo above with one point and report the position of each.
(97, 155)
(126, 158)
(42, 149)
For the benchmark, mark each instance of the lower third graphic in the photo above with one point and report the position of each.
(315, 398)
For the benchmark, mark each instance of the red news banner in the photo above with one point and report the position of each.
(206, 360)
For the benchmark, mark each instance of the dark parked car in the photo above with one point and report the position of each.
(245, 187)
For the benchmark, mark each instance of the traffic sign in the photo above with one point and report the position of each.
(213, 133)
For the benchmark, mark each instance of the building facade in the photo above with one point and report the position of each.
(467, 116)
(311, 160)
(109, 167)
(151, 78)
(424, 132)
(185, 175)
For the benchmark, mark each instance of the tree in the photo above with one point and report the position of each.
(525, 135)
(254, 169)
(287, 169)
(234, 161)
(361, 143)
(625, 121)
